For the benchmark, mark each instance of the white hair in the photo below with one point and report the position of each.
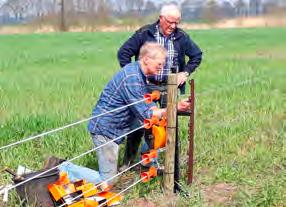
(170, 10)
(152, 49)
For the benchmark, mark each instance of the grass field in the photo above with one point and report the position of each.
(50, 80)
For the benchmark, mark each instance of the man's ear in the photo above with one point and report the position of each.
(145, 60)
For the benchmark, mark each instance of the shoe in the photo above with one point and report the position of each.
(52, 161)
(123, 167)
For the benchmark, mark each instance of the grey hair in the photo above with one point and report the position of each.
(152, 49)
(170, 10)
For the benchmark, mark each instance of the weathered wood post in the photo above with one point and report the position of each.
(63, 27)
(168, 180)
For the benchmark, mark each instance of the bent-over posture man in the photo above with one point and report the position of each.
(125, 88)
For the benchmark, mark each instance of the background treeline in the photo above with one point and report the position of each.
(63, 14)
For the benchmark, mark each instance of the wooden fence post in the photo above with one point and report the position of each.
(171, 134)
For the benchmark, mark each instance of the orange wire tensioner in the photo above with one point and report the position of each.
(148, 123)
(149, 156)
(150, 97)
(148, 175)
(155, 121)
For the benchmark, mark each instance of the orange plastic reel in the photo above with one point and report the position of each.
(149, 156)
(160, 136)
(148, 175)
(148, 123)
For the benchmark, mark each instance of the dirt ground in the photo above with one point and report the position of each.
(265, 21)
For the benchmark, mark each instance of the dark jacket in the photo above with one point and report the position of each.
(182, 44)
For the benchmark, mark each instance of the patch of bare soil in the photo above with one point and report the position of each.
(141, 202)
(158, 201)
(219, 194)
(155, 199)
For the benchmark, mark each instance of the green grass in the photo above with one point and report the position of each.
(50, 80)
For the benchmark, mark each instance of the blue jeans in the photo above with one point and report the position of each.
(107, 157)
(76, 172)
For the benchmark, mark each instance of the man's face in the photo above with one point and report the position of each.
(154, 65)
(168, 24)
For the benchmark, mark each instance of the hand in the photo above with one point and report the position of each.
(159, 112)
(181, 78)
(184, 105)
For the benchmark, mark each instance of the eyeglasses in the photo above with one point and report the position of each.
(170, 22)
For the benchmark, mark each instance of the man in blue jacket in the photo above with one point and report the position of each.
(127, 87)
(178, 45)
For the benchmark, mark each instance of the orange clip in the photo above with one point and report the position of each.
(148, 175)
(149, 156)
(150, 97)
(148, 123)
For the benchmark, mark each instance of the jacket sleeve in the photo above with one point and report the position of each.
(194, 54)
(129, 49)
(133, 91)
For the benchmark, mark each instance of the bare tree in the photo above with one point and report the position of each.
(211, 11)
(240, 8)
(139, 5)
(275, 7)
(130, 4)
(255, 7)
(192, 9)
(17, 8)
(150, 7)
(227, 10)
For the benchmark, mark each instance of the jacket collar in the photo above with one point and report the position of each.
(152, 29)
(139, 68)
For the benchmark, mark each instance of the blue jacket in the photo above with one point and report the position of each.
(126, 87)
(183, 44)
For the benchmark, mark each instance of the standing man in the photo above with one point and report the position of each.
(126, 87)
(178, 45)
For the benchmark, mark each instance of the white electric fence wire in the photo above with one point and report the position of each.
(87, 119)
(69, 125)
(111, 178)
(117, 194)
(87, 152)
